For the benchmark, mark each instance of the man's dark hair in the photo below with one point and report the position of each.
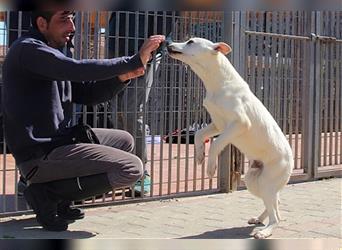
(47, 15)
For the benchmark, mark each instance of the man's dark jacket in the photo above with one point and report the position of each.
(40, 85)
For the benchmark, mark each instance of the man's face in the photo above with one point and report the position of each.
(59, 29)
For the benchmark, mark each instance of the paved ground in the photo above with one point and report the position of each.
(309, 210)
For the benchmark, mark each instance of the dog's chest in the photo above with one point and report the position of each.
(217, 115)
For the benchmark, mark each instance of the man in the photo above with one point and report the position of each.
(64, 163)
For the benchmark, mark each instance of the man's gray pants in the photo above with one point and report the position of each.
(112, 156)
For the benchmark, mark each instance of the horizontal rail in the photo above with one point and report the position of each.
(312, 37)
(277, 35)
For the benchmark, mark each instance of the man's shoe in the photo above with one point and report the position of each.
(45, 207)
(66, 212)
(146, 184)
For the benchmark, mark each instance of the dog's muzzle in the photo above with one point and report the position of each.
(171, 50)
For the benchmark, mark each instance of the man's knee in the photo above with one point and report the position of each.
(136, 170)
(130, 172)
(127, 141)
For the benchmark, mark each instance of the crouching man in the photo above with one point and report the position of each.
(61, 162)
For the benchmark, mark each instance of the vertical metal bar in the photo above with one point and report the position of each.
(186, 78)
(179, 81)
(95, 55)
(252, 54)
(140, 111)
(205, 25)
(309, 113)
(325, 103)
(300, 108)
(273, 62)
(298, 100)
(20, 23)
(223, 167)
(152, 108)
(279, 80)
(340, 94)
(277, 72)
(170, 121)
(259, 83)
(236, 44)
(114, 38)
(243, 44)
(189, 106)
(266, 67)
(318, 114)
(106, 41)
(96, 35)
(83, 50)
(164, 73)
(7, 29)
(187, 115)
(338, 115)
(337, 97)
(291, 92)
(332, 89)
(76, 55)
(179, 126)
(285, 64)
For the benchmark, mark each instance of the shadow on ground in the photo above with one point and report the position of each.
(229, 233)
(29, 228)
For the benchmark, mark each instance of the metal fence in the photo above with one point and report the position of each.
(292, 61)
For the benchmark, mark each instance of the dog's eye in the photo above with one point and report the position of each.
(190, 42)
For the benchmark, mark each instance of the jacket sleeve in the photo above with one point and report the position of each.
(92, 93)
(50, 63)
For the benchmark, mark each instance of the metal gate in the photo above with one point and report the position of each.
(292, 61)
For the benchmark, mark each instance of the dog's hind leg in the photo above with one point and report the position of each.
(200, 137)
(271, 204)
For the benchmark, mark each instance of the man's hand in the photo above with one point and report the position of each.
(149, 46)
(132, 74)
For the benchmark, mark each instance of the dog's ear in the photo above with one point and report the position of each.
(222, 47)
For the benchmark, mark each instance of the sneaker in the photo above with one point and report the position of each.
(147, 184)
(66, 212)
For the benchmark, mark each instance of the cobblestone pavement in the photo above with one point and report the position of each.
(308, 210)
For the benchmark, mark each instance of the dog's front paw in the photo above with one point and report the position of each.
(200, 154)
(212, 165)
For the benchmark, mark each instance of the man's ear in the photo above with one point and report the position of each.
(222, 47)
(42, 24)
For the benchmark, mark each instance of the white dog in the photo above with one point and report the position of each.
(238, 117)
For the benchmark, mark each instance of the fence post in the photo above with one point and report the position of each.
(317, 98)
(224, 158)
(311, 111)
